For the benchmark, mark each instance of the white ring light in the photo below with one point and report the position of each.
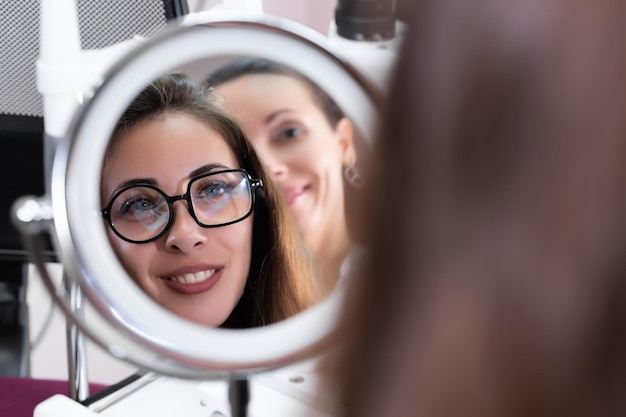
(175, 346)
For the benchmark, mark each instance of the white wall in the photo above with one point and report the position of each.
(313, 13)
(316, 14)
(48, 358)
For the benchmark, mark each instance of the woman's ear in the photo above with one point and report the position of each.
(345, 133)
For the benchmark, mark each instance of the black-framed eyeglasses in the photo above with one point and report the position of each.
(141, 213)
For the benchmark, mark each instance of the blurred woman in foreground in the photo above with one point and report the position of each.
(498, 282)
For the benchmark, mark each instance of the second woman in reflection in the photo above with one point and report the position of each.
(193, 217)
(306, 144)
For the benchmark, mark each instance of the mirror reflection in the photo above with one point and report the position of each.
(194, 216)
(230, 188)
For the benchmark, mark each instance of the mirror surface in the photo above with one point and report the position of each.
(170, 142)
(187, 347)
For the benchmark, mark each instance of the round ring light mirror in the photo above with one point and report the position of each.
(149, 335)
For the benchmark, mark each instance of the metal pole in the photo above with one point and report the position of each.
(76, 345)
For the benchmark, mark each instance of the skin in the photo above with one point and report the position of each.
(302, 152)
(160, 150)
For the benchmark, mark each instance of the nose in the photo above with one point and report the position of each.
(184, 234)
(274, 165)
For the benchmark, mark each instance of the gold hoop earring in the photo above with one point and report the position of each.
(354, 177)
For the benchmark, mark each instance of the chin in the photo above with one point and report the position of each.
(207, 320)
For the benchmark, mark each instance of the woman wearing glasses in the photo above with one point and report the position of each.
(193, 217)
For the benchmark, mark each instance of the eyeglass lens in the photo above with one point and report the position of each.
(140, 213)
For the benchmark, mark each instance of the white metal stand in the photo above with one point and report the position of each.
(286, 392)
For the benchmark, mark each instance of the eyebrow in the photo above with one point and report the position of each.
(134, 181)
(274, 115)
(205, 169)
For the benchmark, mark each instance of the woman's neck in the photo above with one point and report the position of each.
(331, 258)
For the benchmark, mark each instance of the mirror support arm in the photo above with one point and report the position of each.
(65, 72)
(33, 216)
(76, 345)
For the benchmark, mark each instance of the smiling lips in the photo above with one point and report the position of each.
(293, 193)
(195, 278)
(194, 282)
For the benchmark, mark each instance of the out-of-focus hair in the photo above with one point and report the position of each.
(255, 66)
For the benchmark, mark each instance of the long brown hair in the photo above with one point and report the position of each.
(282, 277)
(497, 285)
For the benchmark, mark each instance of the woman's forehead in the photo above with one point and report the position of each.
(167, 149)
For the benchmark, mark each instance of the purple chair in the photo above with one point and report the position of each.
(20, 396)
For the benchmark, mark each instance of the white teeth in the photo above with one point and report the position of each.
(196, 278)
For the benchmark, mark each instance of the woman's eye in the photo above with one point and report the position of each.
(136, 206)
(214, 190)
(290, 133)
